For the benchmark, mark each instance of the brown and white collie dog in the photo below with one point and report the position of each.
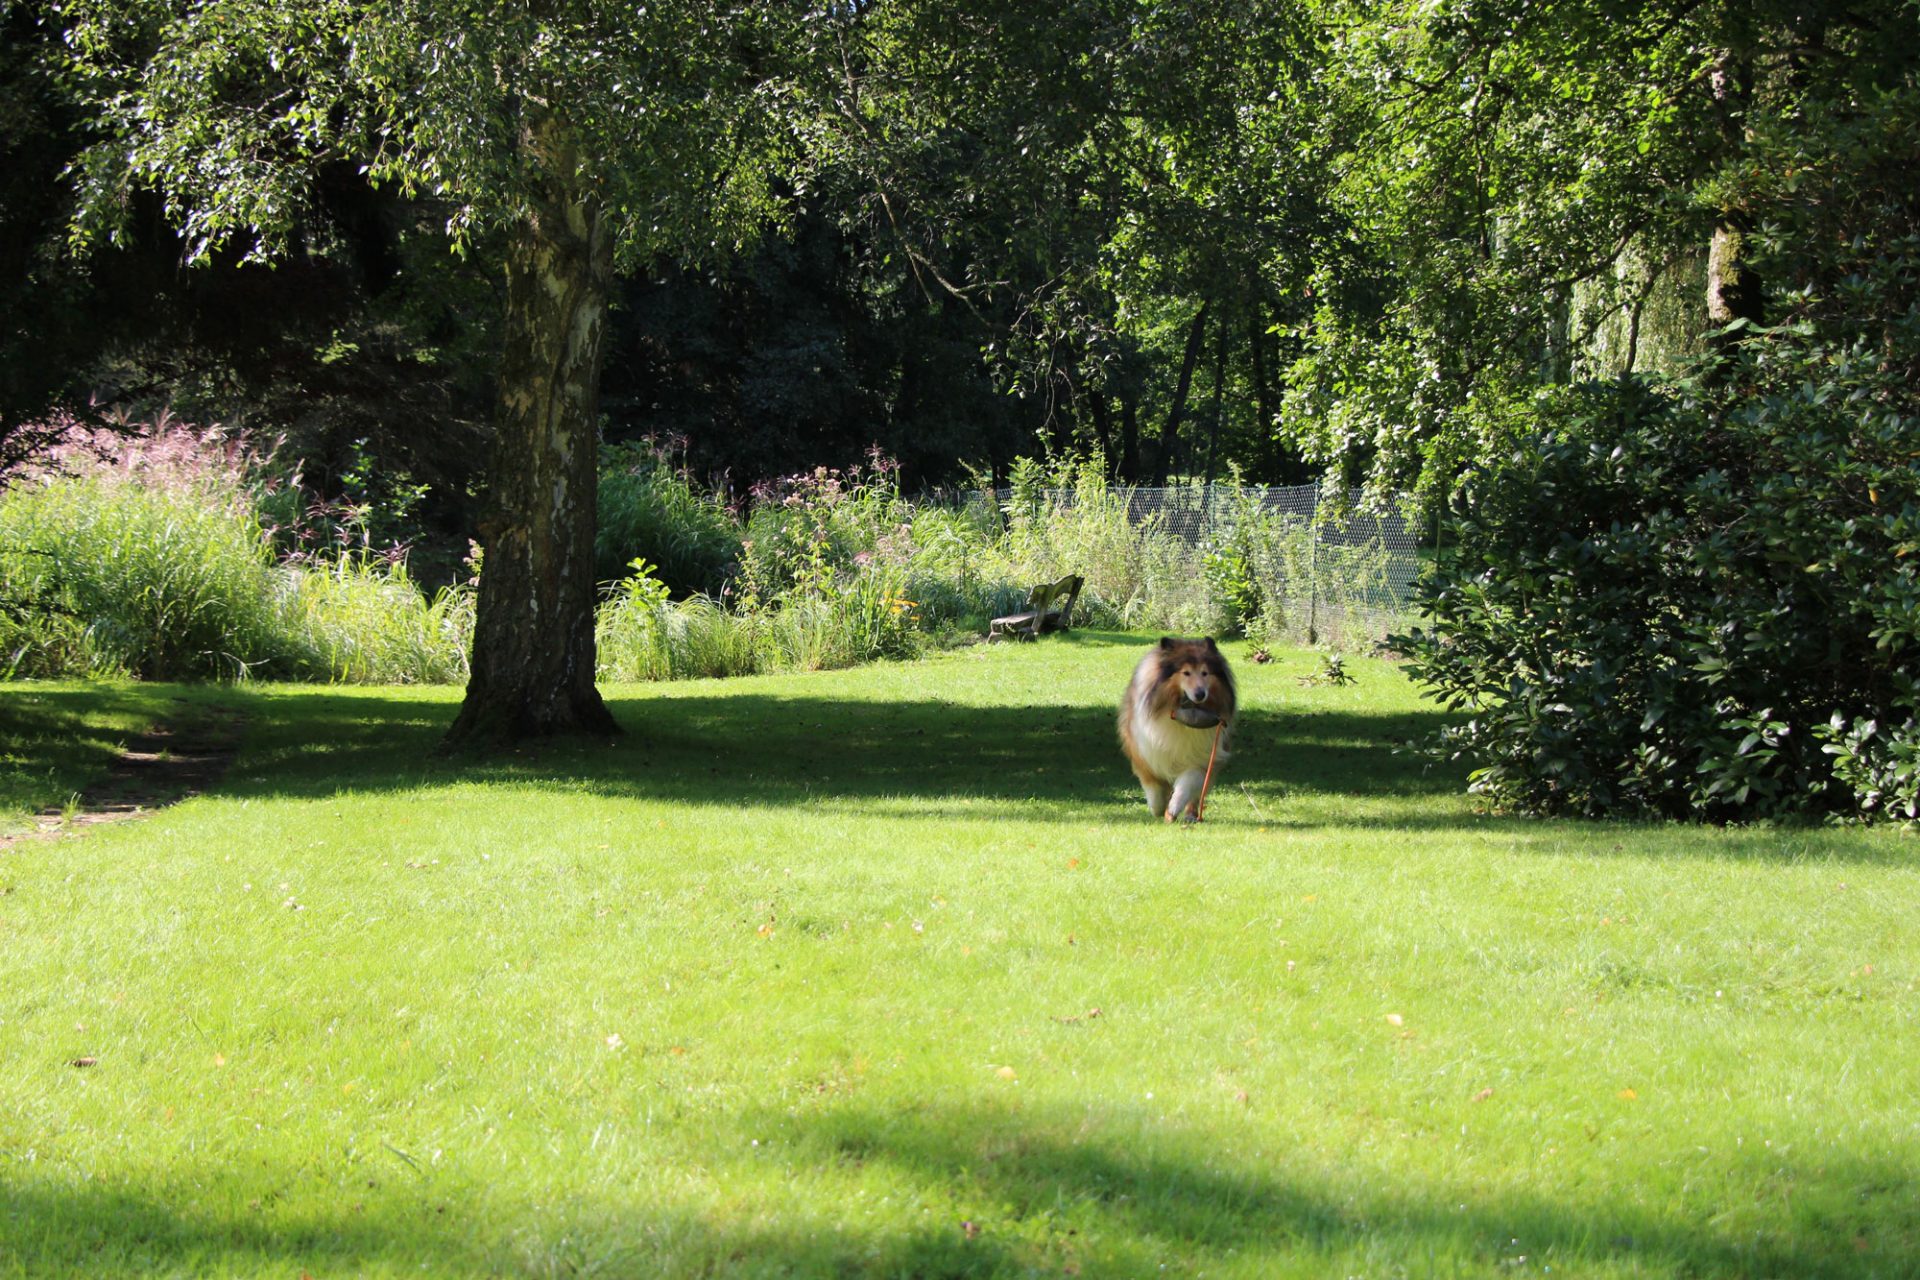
(1181, 691)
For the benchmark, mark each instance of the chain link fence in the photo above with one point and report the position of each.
(1327, 569)
(1306, 564)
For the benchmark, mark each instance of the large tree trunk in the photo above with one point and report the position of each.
(1733, 287)
(533, 656)
(1170, 433)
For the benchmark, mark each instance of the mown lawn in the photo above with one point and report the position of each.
(886, 973)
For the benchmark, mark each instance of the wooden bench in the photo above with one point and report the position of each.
(1049, 608)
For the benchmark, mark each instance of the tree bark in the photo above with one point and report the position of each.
(1219, 389)
(1733, 287)
(1129, 439)
(1170, 433)
(533, 646)
(1102, 428)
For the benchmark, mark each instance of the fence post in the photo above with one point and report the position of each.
(1313, 568)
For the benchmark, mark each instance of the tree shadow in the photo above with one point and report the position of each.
(758, 751)
(1027, 1191)
(105, 1230)
(733, 748)
(1851, 1216)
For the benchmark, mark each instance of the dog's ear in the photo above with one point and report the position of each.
(1211, 646)
(1167, 642)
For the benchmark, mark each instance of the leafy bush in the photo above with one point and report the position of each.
(1698, 599)
(805, 528)
(643, 634)
(650, 510)
(850, 619)
(840, 621)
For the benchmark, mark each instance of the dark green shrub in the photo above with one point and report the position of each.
(649, 510)
(1690, 600)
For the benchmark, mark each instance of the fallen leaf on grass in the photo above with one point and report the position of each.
(765, 930)
(83, 1062)
(614, 1041)
(1091, 1013)
(1629, 1094)
(1483, 1095)
(1005, 1073)
(1394, 1019)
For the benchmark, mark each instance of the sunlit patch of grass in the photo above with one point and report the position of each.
(886, 972)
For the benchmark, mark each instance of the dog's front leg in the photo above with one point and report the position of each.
(1186, 796)
(1156, 797)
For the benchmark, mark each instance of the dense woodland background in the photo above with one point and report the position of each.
(1192, 234)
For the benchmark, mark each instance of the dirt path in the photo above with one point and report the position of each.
(163, 766)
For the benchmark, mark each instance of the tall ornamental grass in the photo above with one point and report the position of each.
(147, 555)
(650, 509)
(363, 620)
(110, 574)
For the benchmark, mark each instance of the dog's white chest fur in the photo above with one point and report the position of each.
(1168, 747)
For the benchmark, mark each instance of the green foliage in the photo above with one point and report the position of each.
(1514, 179)
(804, 529)
(363, 620)
(1069, 519)
(641, 634)
(1332, 671)
(162, 583)
(1700, 598)
(154, 561)
(650, 510)
(1690, 601)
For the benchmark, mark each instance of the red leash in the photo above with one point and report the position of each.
(1200, 805)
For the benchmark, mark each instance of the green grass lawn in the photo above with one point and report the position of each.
(885, 972)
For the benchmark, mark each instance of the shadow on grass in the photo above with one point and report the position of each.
(1026, 1192)
(1840, 1217)
(56, 739)
(756, 750)
(932, 758)
(101, 1230)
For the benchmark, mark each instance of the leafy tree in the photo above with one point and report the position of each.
(1692, 596)
(575, 130)
(1513, 176)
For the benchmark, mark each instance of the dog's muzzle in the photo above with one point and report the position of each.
(1195, 716)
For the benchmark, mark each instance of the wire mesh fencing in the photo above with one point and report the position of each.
(1303, 564)
(1319, 566)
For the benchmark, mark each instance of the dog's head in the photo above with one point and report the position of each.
(1194, 676)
